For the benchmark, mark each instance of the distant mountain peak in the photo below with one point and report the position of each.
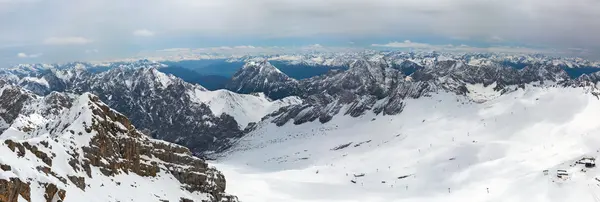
(262, 76)
(263, 67)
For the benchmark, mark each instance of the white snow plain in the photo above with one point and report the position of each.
(440, 148)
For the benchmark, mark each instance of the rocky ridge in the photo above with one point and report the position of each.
(381, 84)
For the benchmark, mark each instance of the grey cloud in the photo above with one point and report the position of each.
(554, 23)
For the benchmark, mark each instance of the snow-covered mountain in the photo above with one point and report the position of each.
(162, 105)
(66, 147)
(393, 126)
(332, 59)
(176, 111)
(261, 76)
(377, 84)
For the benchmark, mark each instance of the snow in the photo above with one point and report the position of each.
(480, 93)
(164, 80)
(444, 58)
(479, 62)
(6, 175)
(243, 108)
(286, 58)
(264, 67)
(41, 81)
(441, 148)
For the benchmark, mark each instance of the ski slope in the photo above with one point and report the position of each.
(440, 148)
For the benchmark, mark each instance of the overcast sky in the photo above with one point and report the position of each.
(59, 30)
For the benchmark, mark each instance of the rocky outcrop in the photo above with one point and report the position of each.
(12, 100)
(95, 141)
(5, 167)
(114, 154)
(13, 188)
(52, 192)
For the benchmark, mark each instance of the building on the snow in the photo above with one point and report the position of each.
(562, 174)
(589, 162)
(359, 175)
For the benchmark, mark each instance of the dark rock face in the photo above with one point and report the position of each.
(10, 190)
(5, 167)
(263, 77)
(52, 191)
(118, 141)
(12, 99)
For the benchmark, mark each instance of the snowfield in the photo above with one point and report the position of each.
(243, 108)
(440, 148)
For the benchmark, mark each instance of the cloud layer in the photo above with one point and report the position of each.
(409, 45)
(143, 33)
(24, 55)
(67, 41)
(108, 24)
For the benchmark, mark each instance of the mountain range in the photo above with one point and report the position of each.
(168, 108)
(263, 120)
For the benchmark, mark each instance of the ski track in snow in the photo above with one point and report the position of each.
(444, 148)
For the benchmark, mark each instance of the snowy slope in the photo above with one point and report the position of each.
(245, 108)
(85, 151)
(440, 148)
